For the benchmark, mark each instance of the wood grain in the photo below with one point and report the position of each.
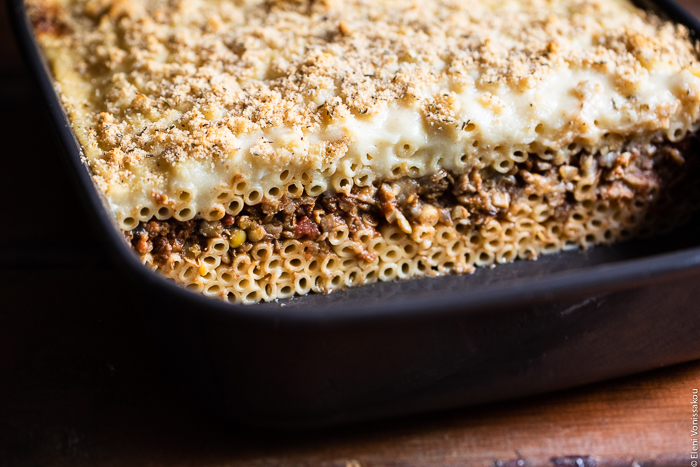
(78, 384)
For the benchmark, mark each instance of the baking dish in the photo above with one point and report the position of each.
(394, 348)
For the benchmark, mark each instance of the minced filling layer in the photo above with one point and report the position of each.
(466, 200)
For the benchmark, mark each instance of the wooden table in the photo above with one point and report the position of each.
(78, 385)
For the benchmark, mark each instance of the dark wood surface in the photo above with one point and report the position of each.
(78, 385)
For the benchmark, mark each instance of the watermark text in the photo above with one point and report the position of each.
(694, 448)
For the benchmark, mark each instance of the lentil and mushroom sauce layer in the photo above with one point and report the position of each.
(258, 149)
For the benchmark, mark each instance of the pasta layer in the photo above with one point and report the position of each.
(435, 225)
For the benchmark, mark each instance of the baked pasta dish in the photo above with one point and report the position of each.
(258, 149)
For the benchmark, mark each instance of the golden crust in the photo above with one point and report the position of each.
(160, 90)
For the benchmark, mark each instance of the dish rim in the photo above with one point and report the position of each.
(605, 278)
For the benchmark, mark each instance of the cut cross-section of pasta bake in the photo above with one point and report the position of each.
(254, 150)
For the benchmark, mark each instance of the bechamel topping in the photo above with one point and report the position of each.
(196, 81)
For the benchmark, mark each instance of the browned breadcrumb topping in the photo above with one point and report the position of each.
(237, 67)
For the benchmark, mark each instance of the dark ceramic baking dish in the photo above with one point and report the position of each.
(426, 344)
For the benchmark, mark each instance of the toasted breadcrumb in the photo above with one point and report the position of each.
(162, 85)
